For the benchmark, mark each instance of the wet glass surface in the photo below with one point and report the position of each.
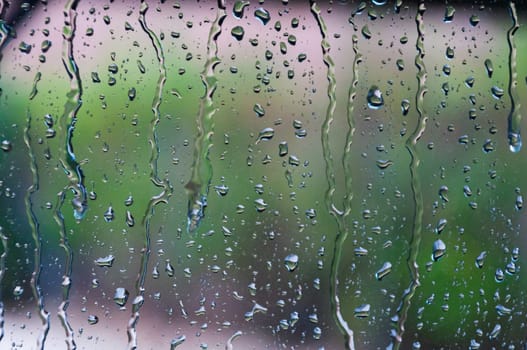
(262, 175)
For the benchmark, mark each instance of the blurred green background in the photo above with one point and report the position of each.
(229, 274)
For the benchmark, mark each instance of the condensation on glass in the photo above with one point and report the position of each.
(256, 175)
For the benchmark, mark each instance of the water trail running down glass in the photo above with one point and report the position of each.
(33, 222)
(68, 120)
(70, 166)
(164, 184)
(414, 176)
(3, 258)
(198, 186)
(34, 89)
(515, 118)
(231, 339)
(330, 175)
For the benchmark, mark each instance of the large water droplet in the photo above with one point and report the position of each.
(291, 262)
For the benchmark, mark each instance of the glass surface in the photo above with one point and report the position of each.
(262, 175)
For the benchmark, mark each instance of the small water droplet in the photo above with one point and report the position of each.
(497, 92)
(109, 214)
(515, 142)
(362, 311)
(121, 296)
(6, 146)
(480, 259)
(449, 14)
(238, 32)
(291, 262)
(440, 225)
(107, 261)
(92, 319)
(177, 341)
(265, 134)
(474, 20)
(489, 67)
(499, 275)
(263, 15)
(375, 99)
(438, 250)
(383, 271)
(449, 53)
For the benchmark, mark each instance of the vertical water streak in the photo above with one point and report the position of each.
(69, 118)
(68, 161)
(34, 89)
(35, 231)
(66, 279)
(346, 157)
(198, 186)
(3, 258)
(411, 143)
(515, 141)
(330, 175)
(164, 184)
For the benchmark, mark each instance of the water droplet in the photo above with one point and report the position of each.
(438, 250)
(169, 269)
(449, 53)
(515, 253)
(24, 47)
(366, 32)
(360, 251)
(291, 262)
(107, 261)
(265, 134)
(383, 271)
(443, 192)
(18, 291)
(495, 331)
(400, 64)
(121, 296)
(474, 20)
(515, 142)
(177, 341)
(131, 93)
(440, 225)
(503, 310)
(130, 221)
(260, 205)
(239, 7)
(375, 99)
(480, 259)
(263, 15)
(92, 319)
(449, 14)
(488, 146)
(497, 92)
(499, 275)
(405, 106)
(238, 32)
(317, 333)
(489, 67)
(511, 268)
(109, 214)
(362, 311)
(384, 164)
(6, 146)
(259, 110)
